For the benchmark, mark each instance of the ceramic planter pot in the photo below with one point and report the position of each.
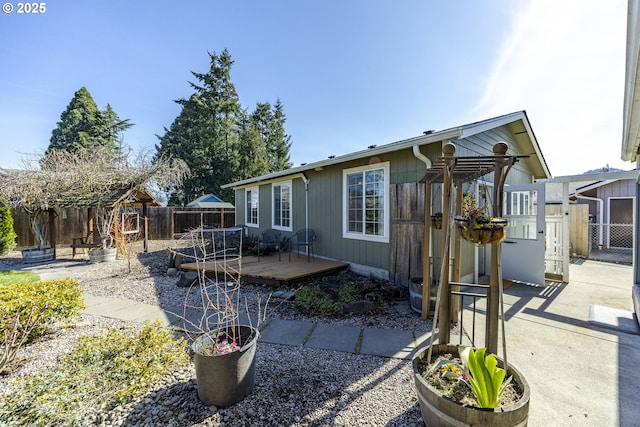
(225, 379)
(439, 410)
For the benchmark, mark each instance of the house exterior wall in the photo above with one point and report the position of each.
(620, 189)
(322, 201)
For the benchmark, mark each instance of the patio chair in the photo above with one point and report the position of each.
(270, 238)
(304, 238)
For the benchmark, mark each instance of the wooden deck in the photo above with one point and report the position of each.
(273, 272)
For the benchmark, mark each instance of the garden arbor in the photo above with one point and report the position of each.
(452, 171)
(95, 178)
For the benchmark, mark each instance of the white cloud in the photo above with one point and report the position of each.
(563, 62)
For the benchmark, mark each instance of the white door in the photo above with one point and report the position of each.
(524, 246)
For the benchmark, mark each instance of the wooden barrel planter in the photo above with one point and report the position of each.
(102, 255)
(439, 410)
(34, 255)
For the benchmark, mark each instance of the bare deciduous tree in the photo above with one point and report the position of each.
(87, 178)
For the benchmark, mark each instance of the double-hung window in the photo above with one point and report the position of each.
(282, 206)
(366, 203)
(252, 200)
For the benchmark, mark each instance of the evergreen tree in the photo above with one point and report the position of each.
(253, 154)
(280, 143)
(219, 141)
(205, 134)
(7, 234)
(270, 124)
(82, 124)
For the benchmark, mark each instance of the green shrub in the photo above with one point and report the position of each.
(7, 235)
(318, 301)
(49, 301)
(101, 372)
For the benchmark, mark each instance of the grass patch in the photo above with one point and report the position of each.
(13, 277)
(100, 373)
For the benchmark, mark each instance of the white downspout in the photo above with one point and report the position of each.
(424, 159)
(306, 204)
(600, 214)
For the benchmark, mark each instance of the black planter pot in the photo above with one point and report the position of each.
(227, 378)
(439, 410)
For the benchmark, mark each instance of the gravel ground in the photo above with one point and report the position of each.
(295, 386)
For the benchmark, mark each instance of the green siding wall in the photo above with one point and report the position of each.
(325, 194)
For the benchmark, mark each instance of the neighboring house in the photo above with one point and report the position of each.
(600, 214)
(631, 124)
(210, 201)
(367, 207)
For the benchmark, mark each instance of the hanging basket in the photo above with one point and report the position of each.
(491, 232)
(436, 221)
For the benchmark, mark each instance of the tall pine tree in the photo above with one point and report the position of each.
(218, 140)
(83, 124)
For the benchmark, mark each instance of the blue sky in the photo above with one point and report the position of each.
(350, 73)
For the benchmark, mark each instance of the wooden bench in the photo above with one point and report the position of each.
(82, 243)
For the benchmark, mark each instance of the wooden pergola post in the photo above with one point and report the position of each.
(450, 170)
(444, 323)
(426, 253)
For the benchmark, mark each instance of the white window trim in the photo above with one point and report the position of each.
(345, 208)
(273, 216)
(257, 192)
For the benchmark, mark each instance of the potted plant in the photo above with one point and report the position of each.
(38, 224)
(223, 349)
(105, 218)
(476, 226)
(463, 386)
(436, 220)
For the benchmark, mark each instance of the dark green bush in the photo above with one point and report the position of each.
(319, 301)
(7, 235)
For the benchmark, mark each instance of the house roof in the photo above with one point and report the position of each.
(631, 112)
(210, 201)
(518, 121)
(584, 182)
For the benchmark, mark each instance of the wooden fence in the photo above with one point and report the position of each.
(164, 223)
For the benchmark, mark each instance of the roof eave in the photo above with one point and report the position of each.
(383, 149)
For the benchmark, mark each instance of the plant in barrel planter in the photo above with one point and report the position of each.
(458, 386)
(39, 228)
(223, 349)
(463, 386)
(105, 218)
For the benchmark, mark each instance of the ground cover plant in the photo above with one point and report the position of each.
(29, 308)
(326, 302)
(50, 301)
(101, 372)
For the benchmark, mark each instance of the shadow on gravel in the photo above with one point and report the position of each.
(295, 386)
(298, 387)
